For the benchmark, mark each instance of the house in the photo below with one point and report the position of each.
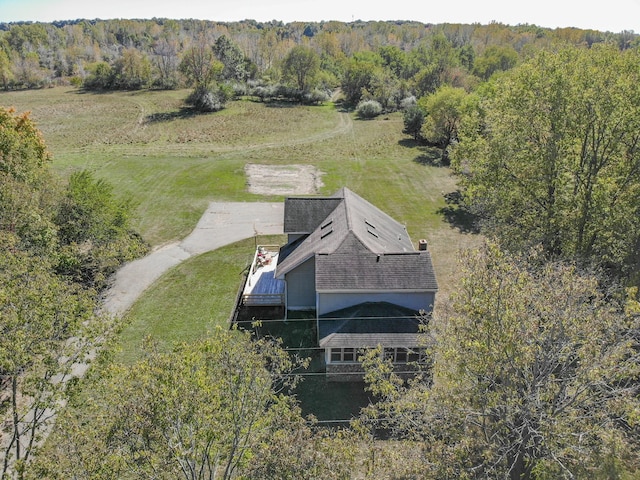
(357, 269)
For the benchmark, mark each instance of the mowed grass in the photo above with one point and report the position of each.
(171, 163)
(190, 300)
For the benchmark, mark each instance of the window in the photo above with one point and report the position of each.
(404, 355)
(343, 355)
(393, 354)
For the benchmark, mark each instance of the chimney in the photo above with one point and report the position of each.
(422, 245)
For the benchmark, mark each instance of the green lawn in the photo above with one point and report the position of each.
(171, 163)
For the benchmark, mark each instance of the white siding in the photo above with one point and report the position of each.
(330, 302)
(301, 286)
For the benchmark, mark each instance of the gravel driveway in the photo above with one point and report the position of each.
(220, 225)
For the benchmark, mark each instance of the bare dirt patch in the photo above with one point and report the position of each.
(283, 179)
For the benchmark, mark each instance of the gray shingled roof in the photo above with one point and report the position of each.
(304, 214)
(394, 271)
(357, 246)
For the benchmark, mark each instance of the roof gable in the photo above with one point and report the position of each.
(351, 239)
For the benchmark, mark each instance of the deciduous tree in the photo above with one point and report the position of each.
(554, 156)
(301, 66)
(535, 376)
(444, 112)
(200, 412)
(39, 313)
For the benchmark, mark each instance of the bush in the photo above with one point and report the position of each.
(408, 102)
(315, 97)
(369, 109)
(204, 99)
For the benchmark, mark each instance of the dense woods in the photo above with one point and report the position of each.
(535, 366)
(381, 61)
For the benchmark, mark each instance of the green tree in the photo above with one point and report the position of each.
(200, 412)
(301, 66)
(132, 70)
(444, 112)
(534, 376)
(95, 231)
(496, 58)
(6, 73)
(553, 156)
(39, 314)
(199, 64)
(358, 76)
(100, 76)
(235, 64)
(26, 185)
(436, 59)
(413, 118)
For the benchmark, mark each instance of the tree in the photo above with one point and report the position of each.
(202, 70)
(444, 111)
(301, 66)
(100, 77)
(132, 70)
(553, 157)
(166, 62)
(413, 118)
(95, 232)
(436, 59)
(6, 75)
(25, 181)
(200, 412)
(496, 58)
(39, 313)
(534, 376)
(358, 75)
(199, 64)
(235, 65)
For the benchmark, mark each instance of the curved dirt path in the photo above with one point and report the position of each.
(222, 223)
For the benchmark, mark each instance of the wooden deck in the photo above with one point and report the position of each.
(262, 288)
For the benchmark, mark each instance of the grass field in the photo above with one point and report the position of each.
(171, 163)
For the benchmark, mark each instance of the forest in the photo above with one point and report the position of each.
(534, 356)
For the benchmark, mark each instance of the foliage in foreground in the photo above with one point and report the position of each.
(535, 376)
(213, 409)
(47, 311)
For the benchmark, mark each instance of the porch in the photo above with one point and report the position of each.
(262, 289)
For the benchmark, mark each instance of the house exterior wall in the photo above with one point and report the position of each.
(330, 302)
(301, 286)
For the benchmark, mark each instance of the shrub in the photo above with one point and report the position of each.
(369, 109)
(315, 97)
(204, 99)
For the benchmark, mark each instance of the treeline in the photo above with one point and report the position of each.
(384, 61)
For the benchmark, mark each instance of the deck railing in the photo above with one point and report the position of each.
(263, 299)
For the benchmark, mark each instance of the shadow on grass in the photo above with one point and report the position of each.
(457, 214)
(429, 154)
(170, 116)
(431, 157)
